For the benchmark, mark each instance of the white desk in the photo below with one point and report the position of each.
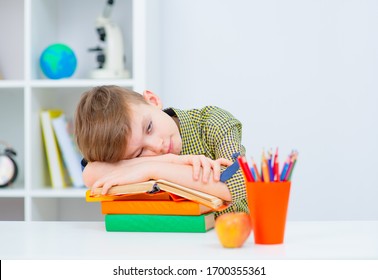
(89, 240)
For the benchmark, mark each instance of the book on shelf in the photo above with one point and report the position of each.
(54, 161)
(153, 186)
(159, 223)
(153, 207)
(71, 157)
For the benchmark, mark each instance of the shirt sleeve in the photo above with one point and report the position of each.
(225, 137)
(229, 142)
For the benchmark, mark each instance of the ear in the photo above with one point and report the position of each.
(152, 99)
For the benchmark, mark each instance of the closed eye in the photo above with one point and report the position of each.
(148, 131)
(149, 127)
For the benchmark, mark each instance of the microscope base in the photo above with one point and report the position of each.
(109, 74)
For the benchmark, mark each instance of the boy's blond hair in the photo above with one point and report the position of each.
(103, 122)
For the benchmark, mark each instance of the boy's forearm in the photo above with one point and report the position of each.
(183, 175)
(95, 170)
(143, 169)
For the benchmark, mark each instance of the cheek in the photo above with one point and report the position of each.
(178, 145)
(148, 153)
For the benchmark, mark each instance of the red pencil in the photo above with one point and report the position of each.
(276, 167)
(244, 167)
(248, 169)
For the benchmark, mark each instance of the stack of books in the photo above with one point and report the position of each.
(157, 206)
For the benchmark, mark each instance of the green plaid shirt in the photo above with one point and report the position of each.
(215, 133)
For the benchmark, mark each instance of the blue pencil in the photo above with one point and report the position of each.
(284, 169)
(253, 174)
(270, 167)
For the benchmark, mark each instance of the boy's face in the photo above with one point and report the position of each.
(153, 132)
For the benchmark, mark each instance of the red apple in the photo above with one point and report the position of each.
(233, 229)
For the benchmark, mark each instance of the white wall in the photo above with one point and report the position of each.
(11, 35)
(298, 74)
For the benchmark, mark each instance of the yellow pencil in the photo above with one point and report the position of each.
(264, 168)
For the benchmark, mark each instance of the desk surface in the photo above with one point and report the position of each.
(89, 240)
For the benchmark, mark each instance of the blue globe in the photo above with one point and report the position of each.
(58, 61)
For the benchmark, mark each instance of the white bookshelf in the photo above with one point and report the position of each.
(29, 26)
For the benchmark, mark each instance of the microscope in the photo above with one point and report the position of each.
(111, 58)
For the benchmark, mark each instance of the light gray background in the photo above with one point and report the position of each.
(298, 74)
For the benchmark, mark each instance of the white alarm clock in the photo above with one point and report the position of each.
(8, 167)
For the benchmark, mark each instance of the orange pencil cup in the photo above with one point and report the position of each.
(268, 204)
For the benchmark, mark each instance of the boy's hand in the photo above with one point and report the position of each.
(204, 164)
(200, 164)
(124, 174)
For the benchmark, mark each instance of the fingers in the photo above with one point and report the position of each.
(205, 167)
(216, 171)
(103, 183)
(216, 167)
(206, 164)
(224, 162)
(106, 187)
(201, 167)
(196, 163)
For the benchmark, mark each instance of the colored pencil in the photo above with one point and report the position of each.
(270, 165)
(264, 168)
(246, 171)
(292, 168)
(285, 168)
(258, 178)
(269, 170)
(276, 167)
(253, 174)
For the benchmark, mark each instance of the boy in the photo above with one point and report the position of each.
(126, 138)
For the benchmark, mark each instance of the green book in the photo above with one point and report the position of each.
(159, 223)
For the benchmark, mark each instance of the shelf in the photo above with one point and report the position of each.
(79, 83)
(49, 24)
(12, 191)
(25, 92)
(64, 193)
(12, 84)
(65, 209)
(12, 59)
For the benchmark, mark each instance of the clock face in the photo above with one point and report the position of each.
(7, 170)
